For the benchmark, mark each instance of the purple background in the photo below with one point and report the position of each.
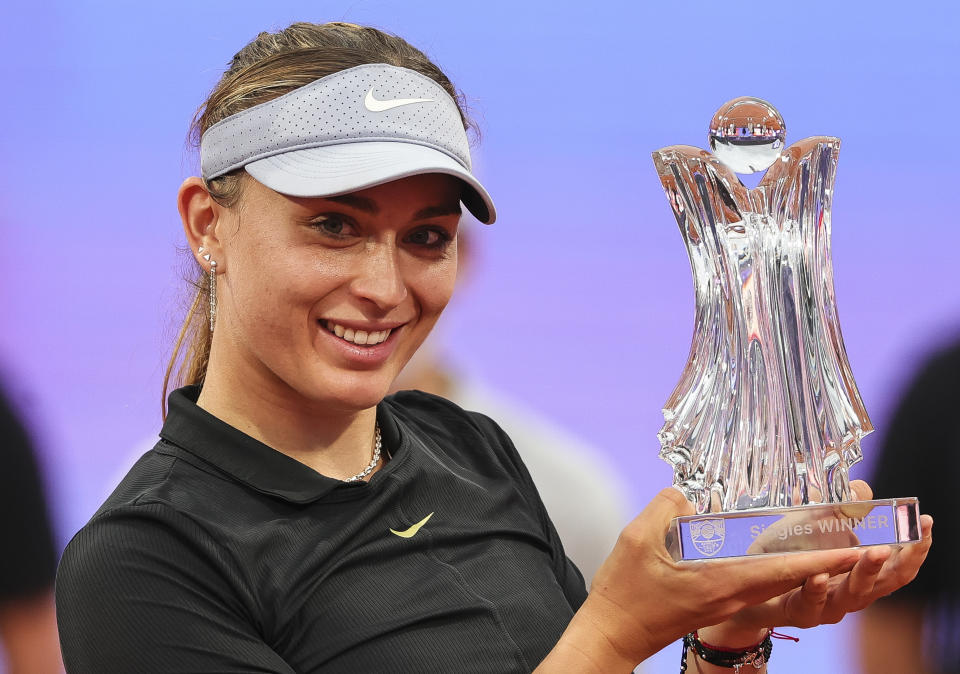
(581, 303)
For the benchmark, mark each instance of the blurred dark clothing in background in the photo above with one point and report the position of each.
(28, 555)
(919, 625)
(28, 562)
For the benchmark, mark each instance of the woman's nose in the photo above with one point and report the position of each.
(380, 278)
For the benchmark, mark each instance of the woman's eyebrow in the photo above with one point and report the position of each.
(370, 206)
(359, 203)
(436, 212)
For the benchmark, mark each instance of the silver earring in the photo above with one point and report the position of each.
(213, 292)
(213, 286)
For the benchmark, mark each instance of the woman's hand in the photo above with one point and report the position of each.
(641, 599)
(824, 599)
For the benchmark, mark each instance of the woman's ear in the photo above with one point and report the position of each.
(200, 214)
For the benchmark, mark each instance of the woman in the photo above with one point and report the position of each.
(291, 518)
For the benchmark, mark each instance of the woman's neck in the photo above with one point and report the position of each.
(335, 443)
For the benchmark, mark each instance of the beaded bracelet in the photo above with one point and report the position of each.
(757, 655)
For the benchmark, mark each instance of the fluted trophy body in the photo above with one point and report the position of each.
(766, 414)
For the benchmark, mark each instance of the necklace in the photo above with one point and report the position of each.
(373, 462)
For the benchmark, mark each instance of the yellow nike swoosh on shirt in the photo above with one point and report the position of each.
(412, 531)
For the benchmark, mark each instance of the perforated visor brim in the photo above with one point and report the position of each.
(331, 170)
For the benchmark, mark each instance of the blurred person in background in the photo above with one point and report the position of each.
(28, 628)
(916, 630)
(583, 495)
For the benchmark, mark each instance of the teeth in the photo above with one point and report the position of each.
(360, 337)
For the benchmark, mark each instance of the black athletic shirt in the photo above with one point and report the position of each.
(218, 553)
(28, 558)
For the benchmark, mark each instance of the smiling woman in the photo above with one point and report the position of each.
(321, 301)
(293, 517)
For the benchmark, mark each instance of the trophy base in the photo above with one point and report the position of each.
(768, 531)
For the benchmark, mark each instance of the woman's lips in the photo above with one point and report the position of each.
(357, 336)
(377, 347)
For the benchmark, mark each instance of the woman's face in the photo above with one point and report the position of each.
(325, 299)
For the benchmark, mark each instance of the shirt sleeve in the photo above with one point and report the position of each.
(144, 589)
(28, 561)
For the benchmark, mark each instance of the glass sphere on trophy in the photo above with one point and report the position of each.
(766, 420)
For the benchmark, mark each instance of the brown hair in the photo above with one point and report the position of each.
(268, 67)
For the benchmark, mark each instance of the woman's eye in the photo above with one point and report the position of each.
(431, 238)
(334, 225)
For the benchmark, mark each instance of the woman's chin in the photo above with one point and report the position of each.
(350, 396)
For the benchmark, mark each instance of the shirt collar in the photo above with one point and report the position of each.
(256, 464)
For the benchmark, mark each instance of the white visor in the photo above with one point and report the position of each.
(355, 129)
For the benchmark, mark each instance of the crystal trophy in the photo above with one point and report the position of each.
(766, 420)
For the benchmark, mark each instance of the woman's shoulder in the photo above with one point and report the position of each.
(468, 436)
(160, 502)
(166, 476)
(147, 528)
(145, 567)
(438, 416)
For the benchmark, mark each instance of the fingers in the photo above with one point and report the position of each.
(646, 535)
(666, 505)
(767, 577)
(880, 571)
(800, 607)
(926, 530)
(905, 562)
(825, 599)
(860, 582)
(861, 490)
(679, 505)
(815, 588)
(806, 606)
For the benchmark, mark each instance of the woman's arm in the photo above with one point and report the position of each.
(641, 600)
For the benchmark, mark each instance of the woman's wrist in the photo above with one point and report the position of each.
(590, 643)
(716, 658)
(731, 636)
